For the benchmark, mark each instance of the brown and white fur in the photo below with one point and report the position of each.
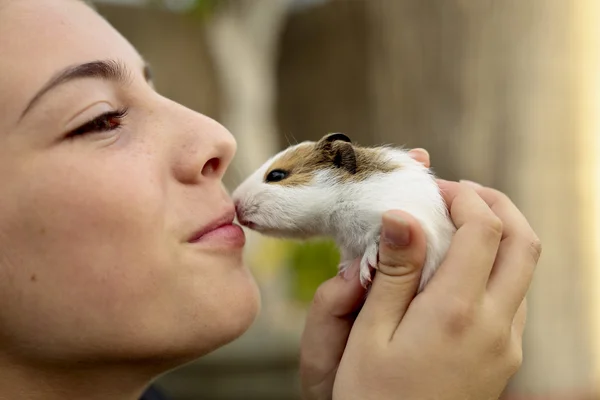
(337, 189)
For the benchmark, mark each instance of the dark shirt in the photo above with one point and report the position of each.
(153, 394)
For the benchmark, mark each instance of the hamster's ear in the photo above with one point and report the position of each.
(331, 137)
(338, 148)
(344, 156)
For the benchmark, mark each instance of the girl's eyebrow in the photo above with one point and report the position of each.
(110, 70)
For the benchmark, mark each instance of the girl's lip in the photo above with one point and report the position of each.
(226, 219)
(230, 234)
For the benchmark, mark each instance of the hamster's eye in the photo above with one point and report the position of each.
(276, 175)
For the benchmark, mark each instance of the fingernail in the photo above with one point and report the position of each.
(398, 233)
(471, 183)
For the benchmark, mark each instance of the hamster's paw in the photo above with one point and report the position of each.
(344, 265)
(369, 262)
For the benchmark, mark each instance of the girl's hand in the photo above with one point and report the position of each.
(461, 338)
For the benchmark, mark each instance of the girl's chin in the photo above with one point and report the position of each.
(229, 312)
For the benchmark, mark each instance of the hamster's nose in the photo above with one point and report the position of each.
(239, 210)
(241, 213)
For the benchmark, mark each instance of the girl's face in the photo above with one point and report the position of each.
(104, 186)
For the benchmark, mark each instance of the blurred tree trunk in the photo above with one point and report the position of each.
(489, 88)
(243, 36)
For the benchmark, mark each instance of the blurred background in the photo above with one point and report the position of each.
(505, 93)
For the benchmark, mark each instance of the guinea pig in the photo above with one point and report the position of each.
(337, 189)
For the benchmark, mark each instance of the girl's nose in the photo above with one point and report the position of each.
(206, 149)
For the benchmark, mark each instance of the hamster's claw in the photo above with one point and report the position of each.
(369, 263)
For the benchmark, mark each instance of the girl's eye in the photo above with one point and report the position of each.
(106, 122)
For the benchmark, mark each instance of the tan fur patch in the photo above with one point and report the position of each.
(302, 162)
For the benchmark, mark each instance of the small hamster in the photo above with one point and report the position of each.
(338, 189)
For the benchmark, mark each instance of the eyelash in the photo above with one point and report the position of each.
(106, 122)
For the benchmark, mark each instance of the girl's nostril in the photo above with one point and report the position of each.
(211, 167)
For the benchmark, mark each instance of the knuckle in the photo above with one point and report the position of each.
(309, 365)
(500, 196)
(321, 299)
(500, 341)
(495, 225)
(491, 226)
(514, 359)
(459, 316)
(535, 248)
(399, 268)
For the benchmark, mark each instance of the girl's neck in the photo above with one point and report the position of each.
(72, 382)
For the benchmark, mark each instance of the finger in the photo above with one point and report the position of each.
(402, 250)
(467, 266)
(474, 185)
(518, 255)
(421, 155)
(328, 325)
(519, 251)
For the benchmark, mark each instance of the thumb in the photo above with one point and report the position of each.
(402, 251)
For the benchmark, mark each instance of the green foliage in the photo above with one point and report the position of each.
(311, 263)
(203, 9)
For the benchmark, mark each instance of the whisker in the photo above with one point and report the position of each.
(287, 139)
(295, 140)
